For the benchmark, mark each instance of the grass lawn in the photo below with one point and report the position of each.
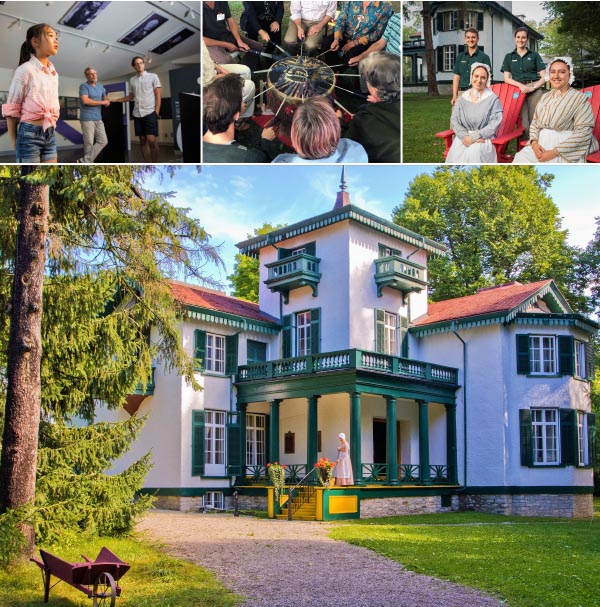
(154, 579)
(423, 117)
(527, 562)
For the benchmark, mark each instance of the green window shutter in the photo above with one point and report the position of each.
(440, 22)
(199, 349)
(439, 55)
(283, 253)
(315, 330)
(569, 455)
(566, 355)
(286, 336)
(379, 330)
(592, 439)
(197, 443)
(403, 326)
(311, 248)
(234, 449)
(589, 361)
(526, 437)
(231, 354)
(480, 22)
(523, 366)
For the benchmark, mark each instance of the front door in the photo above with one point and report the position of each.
(380, 440)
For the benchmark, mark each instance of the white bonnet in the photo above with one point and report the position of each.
(566, 60)
(342, 435)
(477, 64)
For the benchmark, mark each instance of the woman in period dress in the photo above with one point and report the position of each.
(562, 126)
(476, 117)
(343, 465)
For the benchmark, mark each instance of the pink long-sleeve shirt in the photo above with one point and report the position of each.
(33, 94)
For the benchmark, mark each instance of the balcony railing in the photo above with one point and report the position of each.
(348, 359)
(409, 474)
(400, 274)
(294, 272)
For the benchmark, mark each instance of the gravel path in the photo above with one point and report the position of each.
(242, 551)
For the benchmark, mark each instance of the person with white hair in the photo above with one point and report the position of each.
(476, 117)
(343, 466)
(563, 123)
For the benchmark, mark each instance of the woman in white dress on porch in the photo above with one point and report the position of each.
(562, 126)
(476, 117)
(343, 465)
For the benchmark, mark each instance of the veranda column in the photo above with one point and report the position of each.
(355, 438)
(312, 454)
(274, 431)
(424, 474)
(242, 408)
(451, 458)
(391, 441)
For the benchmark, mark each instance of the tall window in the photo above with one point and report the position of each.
(214, 437)
(390, 334)
(449, 21)
(215, 353)
(580, 359)
(303, 346)
(545, 436)
(543, 354)
(255, 439)
(582, 439)
(449, 57)
(471, 20)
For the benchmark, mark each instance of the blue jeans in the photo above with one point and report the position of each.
(34, 144)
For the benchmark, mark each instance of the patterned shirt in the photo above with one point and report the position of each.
(353, 24)
(33, 94)
(569, 112)
(392, 35)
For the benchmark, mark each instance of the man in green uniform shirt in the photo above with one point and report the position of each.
(526, 70)
(462, 68)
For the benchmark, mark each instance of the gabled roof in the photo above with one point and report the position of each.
(252, 246)
(213, 306)
(500, 304)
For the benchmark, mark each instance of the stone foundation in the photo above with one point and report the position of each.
(175, 502)
(398, 506)
(564, 506)
(252, 502)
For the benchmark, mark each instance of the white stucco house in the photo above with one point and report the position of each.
(481, 402)
(495, 23)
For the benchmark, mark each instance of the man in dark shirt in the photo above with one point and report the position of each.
(461, 80)
(222, 103)
(221, 35)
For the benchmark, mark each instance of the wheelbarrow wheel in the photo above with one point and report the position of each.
(105, 590)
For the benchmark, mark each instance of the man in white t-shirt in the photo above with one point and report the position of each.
(308, 22)
(145, 93)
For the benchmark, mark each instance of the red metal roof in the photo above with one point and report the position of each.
(502, 298)
(199, 297)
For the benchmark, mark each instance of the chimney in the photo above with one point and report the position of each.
(343, 197)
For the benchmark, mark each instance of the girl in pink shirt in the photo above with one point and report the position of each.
(32, 107)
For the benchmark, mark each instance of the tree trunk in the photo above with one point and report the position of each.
(432, 88)
(23, 395)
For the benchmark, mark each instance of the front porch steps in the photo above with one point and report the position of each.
(306, 512)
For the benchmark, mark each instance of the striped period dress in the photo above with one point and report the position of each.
(563, 122)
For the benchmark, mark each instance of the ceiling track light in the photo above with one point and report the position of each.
(89, 44)
(16, 24)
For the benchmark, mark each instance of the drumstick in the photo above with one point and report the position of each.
(263, 92)
(343, 108)
(282, 50)
(337, 86)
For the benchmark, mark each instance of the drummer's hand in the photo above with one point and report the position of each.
(350, 44)
(339, 114)
(269, 134)
(243, 46)
(264, 35)
(229, 47)
(354, 60)
(274, 26)
(313, 30)
(301, 34)
(335, 45)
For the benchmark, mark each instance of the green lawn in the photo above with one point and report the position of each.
(423, 117)
(527, 562)
(154, 579)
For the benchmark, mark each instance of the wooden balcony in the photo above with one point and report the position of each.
(292, 273)
(400, 274)
(348, 359)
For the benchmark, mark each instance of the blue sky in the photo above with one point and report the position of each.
(230, 201)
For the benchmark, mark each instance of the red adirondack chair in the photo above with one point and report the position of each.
(512, 100)
(593, 95)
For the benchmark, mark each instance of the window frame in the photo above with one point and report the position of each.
(543, 425)
(302, 333)
(215, 435)
(212, 362)
(468, 24)
(579, 353)
(543, 360)
(449, 57)
(208, 500)
(256, 436)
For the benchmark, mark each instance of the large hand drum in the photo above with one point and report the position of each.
(293, 80)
